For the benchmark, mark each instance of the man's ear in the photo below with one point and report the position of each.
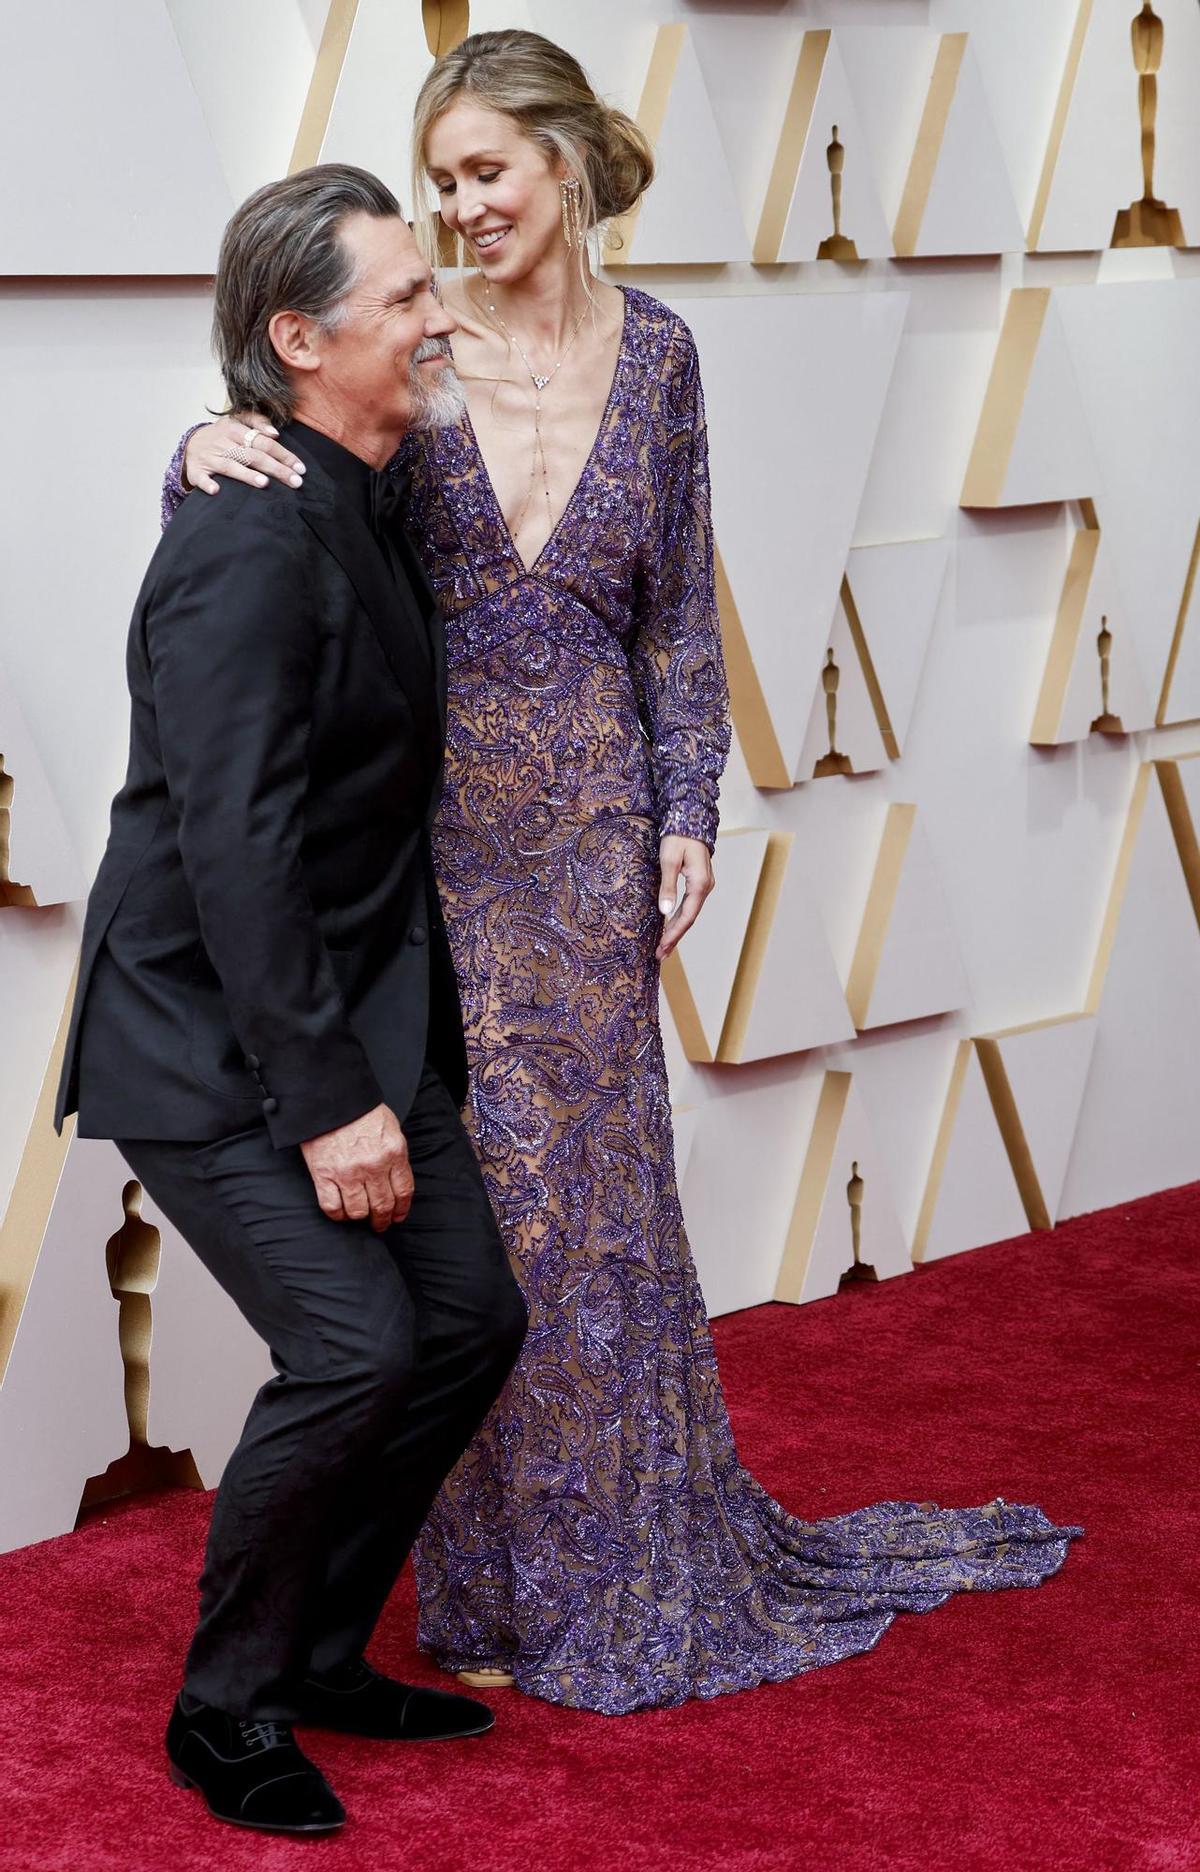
(296, 340)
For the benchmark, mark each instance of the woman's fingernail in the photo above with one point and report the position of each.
(301, 467)
(295, 481)
(665, 905)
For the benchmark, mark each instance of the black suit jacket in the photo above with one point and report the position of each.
(264, 936)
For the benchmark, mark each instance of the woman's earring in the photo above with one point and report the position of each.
(573, 232)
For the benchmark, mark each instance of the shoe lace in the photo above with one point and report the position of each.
(263, 1735)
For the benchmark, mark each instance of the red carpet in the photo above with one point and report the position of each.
(1055, 1729)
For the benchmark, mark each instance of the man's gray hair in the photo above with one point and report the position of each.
(282, 252)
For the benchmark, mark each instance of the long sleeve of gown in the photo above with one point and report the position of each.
(676, 660)
(173, 491)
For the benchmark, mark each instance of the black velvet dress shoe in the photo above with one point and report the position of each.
(252, 1774)
(358, 1701)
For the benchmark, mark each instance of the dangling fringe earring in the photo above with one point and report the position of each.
(573, 232)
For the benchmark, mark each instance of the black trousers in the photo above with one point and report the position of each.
(388, 1349)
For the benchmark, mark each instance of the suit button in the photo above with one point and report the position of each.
(418, 933)
(270, 1107)
(253, 1062)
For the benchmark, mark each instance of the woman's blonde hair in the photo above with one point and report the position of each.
(547, 95)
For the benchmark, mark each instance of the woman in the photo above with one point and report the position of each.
(599, 1543)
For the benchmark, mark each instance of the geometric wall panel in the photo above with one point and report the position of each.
(1093, 681)
(62, 1409)
(844, 1218)
(1136, 362)
(823, 156)
(137, 185)
(971, 1196)
(1033, 442)
(1093, 167)
(788, 472)
(906, 961)
(844, 729)
(37, 862)
(187, 1371)
(271, 47)
(1036, 1076)
(372, 63)
(690, 215)
(786, 996)
(1137, 1128)
(958, 197)
(895, 591)
(741, 1181)
(1180, 697)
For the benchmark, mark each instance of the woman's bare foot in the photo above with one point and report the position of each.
(486, 1679)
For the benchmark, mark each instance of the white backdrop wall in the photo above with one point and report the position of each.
(971, 966)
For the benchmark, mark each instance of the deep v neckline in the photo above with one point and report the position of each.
(530, 570)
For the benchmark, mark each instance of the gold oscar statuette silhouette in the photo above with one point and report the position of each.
(1105, 722)
(132, 1256)
(833, 762)
(1148, 222)
(836, 246)
(11, 893)
(859, 1270)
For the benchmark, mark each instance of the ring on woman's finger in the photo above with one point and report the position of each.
(250, 438)
(238, 454)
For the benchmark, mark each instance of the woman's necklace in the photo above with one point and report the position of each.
(538, 455)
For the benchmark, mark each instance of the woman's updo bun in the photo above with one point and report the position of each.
(547, 94)
(625, 166)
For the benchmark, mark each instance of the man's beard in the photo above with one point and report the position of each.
(438, 400)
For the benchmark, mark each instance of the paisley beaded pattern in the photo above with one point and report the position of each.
(599, 1537)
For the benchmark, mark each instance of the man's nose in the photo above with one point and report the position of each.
(441, 322)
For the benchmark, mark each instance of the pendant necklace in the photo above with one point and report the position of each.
(538, 455)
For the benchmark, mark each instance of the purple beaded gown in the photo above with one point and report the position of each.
(599, 1538)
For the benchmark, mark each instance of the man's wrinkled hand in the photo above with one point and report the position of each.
(362, 1170)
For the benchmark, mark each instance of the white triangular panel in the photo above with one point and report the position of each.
(789, 468)
(40, 857)
(970, 207)
(829, 1240)
(62, 1402)
(1047, 1067)
(737, 1205)
(1137, 365)
(1129, 697)
(976, 1199)
(1183, 696)
(117, 171)
(62, 1405)
(855, 724)
(690, 215)
(797, 996)
(699, 974)
(897, 589)
(810, 216)
(384, 67)
(1138, 1128)
(920, 968)
(1052, 457)
(252, 118)
(1098, 170)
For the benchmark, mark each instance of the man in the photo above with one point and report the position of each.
(266, 1019)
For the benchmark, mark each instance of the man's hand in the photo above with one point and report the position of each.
(689, 858)
(362, 1169)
